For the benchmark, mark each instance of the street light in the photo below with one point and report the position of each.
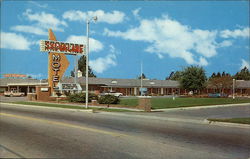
(87, 60)
(233, 88)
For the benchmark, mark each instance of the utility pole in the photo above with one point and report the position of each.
(87, 61)
(87, 67)
(141, 78)
(233, 88)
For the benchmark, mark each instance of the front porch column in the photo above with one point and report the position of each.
(161, 90)
(135, 91)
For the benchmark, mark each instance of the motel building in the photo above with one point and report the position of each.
(128, 87)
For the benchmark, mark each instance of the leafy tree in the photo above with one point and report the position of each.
(72, 73)
(213, 75)
(223, 74)
(82, 68)
(244, 74)
(218, 74)
(175, 76)
(143, 76)
(193, 78)
(220, 83)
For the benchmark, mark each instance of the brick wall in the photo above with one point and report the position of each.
(43, 95)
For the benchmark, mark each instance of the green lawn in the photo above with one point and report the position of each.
(233, 120)
(162, 103)
(69, 106)
(129, 102)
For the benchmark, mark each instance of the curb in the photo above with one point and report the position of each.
(45, 107)
(236, 125)
(194, 121)
(201, 107)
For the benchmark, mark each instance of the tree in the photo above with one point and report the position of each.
(218, 74)
(82, 68)
(223, 74)
(221, 83)
(175, 76)
(193, 78)
(244, 74)
(213, 75)
(143, 76)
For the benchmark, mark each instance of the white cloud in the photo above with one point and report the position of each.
(113, 17)
(169, 37)
(136, 13)
(101, 64)
(45, 20)
(244, 63)
(244, 33)
(225, 43)
(14, 41)
(94, 45)
(29, 29)
(38, 4)
(202, 62)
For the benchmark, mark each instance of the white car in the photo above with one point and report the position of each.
(117, 94)
(13, 94)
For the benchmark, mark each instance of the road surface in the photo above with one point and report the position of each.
(54, 133)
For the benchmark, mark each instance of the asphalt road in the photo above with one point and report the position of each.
(53, 133)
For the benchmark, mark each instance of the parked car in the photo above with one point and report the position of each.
(13, 94)
(217, 95)
(117, 94)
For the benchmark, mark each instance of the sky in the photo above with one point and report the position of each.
(162, 36)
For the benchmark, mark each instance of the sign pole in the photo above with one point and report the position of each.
(76, 63)
(233, 88)
(141, 78)
(87, 66)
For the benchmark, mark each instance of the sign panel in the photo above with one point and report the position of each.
(57, 65)
(143, 89)
(14, 75)
(61, 47)
(44, 89)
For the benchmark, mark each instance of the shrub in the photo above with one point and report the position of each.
(80, 97)
(108, 99)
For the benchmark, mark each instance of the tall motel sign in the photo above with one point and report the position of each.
(58, 62)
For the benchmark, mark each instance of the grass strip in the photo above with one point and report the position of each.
(129, 102)
(70, 106)
(163, 103)
(233, 120)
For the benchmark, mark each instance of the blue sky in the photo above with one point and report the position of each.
(164, 35)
